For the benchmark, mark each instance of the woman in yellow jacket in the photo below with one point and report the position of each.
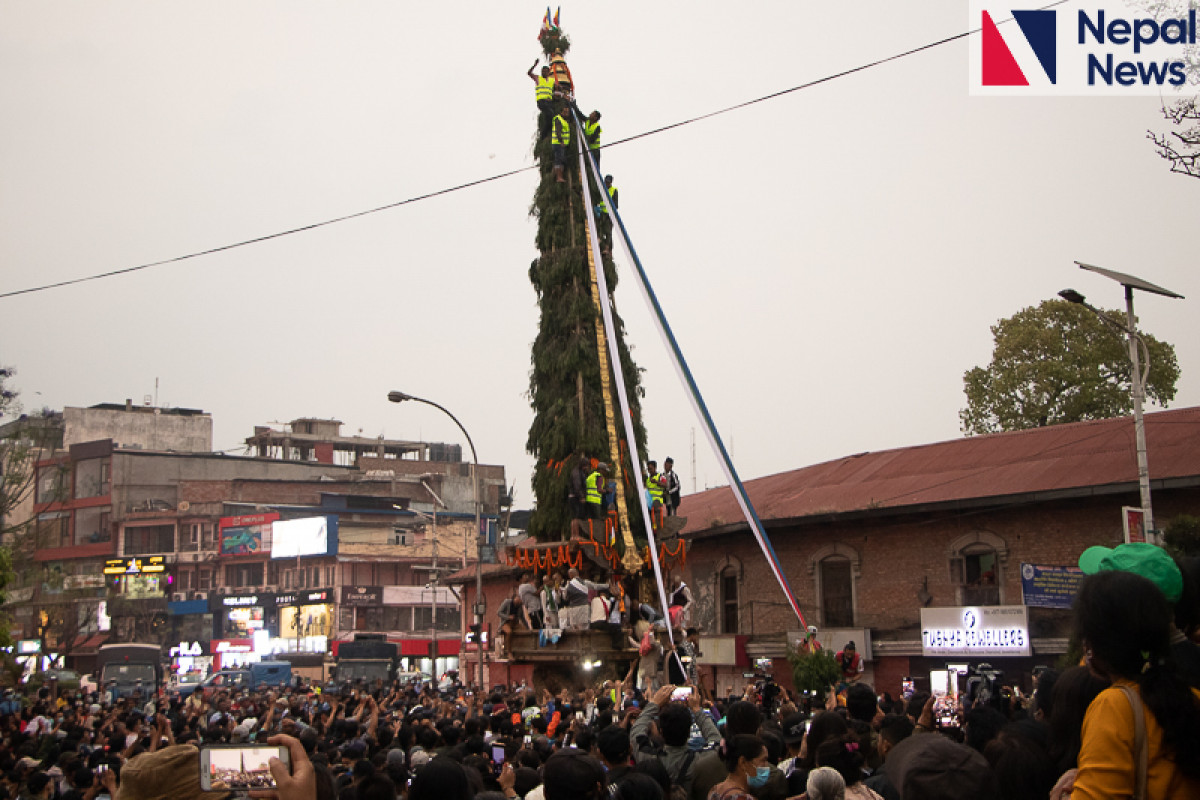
(1124, 623)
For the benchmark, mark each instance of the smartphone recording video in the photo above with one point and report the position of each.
(238, 767)
(681, 693)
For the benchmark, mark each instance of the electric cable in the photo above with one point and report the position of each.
(508, 174)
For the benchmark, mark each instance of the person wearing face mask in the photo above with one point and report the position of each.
(746, 760)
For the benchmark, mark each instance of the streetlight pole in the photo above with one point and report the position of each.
(1137, 376)
(480, 602)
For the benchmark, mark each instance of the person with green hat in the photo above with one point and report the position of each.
(1155, 565)
(1141, 558)
(1141, 736)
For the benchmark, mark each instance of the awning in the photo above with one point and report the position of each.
(87, 645)
(179, 607)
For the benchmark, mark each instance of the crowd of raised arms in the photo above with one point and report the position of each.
(1124, 723)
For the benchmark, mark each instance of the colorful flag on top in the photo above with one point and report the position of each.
(556, 13)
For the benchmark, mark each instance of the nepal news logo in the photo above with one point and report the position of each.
(1040, 30)
(1092, 49)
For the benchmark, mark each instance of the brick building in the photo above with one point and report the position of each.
(871, 541)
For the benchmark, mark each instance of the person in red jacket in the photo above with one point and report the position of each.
(850, 662)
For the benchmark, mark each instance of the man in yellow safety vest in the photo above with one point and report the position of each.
(591, 133)
(612, 193)
(655, 483)
(544, 93)
(560, 138)
(606, 222)
(594, 486)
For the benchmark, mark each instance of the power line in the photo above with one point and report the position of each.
(510, 173)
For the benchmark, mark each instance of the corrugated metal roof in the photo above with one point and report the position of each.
(1067, 459)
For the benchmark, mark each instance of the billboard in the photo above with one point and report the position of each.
(979, 631)
(307, 536)
(1049, 587)
(246, 535)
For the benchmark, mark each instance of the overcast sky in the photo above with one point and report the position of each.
(830, 260)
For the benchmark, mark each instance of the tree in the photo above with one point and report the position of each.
(1182, 536)
(565, 382)
(24, 439)
(1180, 147)
(814, 671)
(1057, 363)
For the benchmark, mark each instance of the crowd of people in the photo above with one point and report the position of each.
(1124, 723)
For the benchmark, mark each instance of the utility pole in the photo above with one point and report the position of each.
(1137, 377)
(433, 639)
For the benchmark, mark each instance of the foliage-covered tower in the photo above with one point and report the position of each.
(565, 383)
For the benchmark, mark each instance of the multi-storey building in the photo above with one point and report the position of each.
(147, 534)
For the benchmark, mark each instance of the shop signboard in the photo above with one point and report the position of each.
(246, 535)
(136, 565)
(303, 597)
(187, 649)
(1049, 587)
(362, 595)
(975, 631)
(241, 600)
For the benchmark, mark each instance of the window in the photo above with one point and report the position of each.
(729, 600)
(204, 581)
(51, 484)
(977, 568)
(243, 576)
(448, 618)
(389, 618)
(273, 573)
(975, 575)
(91, 478)
(93, 525)
(208, 537)
(386, 573)
(147, 539)
(835, 568)
(329, 575)
(53, 529)
(363, 575)
(837, 592)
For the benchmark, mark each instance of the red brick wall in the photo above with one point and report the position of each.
(896, 556)
(890, 673)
